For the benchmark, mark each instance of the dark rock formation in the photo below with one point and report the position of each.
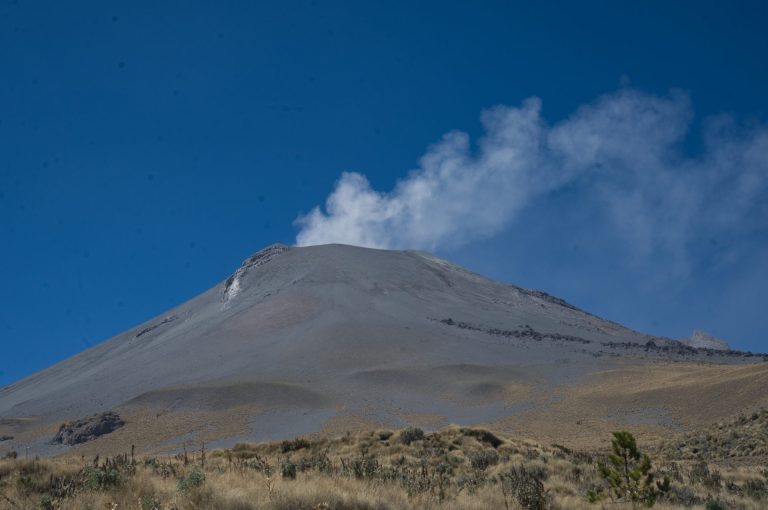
(527, 332)
(87, 429)
(153, 327)
(6, 438)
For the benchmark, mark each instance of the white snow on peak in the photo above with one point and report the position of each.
(233, 290)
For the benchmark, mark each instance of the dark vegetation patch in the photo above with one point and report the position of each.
(483, 436)
(411, 434)
(294, 445)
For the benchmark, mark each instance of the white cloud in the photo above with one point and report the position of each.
(624, 152)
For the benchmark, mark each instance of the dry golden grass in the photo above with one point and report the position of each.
(652, 399)
(455, 468)
(744, 437)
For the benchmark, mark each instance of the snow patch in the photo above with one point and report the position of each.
(233, 289)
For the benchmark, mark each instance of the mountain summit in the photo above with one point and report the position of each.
(327, 338)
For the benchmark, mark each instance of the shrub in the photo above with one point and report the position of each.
(483, 459)
(364, 467)
(444, 469)
(483, 436)
(595, 494)
(525, 487)
(11, 455)
(701, 474)
(319, 462)
(294, 445)
(582, 458)
(672, 471)
(100, 479)
(46, 502)
(714, 504)
(411, 434)
(193, 480)
(288, 470)
(683, 496)
(755, 489)
(149, 503)
(734, 488)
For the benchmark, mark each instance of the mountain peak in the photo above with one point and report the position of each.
(327, 334)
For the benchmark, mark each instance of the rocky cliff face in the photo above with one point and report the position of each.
(703, 340)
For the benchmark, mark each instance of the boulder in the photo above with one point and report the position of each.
(87, 429)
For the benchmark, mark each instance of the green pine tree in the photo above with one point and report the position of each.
(628, 472)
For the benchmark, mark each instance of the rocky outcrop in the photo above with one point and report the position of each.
(703, 340)
(153, 327)
(87, 429)
(232, 285)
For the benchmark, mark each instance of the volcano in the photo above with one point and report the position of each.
(323, 339)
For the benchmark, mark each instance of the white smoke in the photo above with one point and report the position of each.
(623, 152)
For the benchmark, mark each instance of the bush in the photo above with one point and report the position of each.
(683, 496)
(288, 470)
(150, 503)
(411, 434)
(755, 489)
(595, 494)
(483, 459)
(714, 504)
(364, 467)
(525, 487)
(483, 436)
(46, 502)
(12, 455)
(319, 462)
(701, 474)
(193, 480)
(582, 458)
(444, 469)
(294, 445)
(100, 479)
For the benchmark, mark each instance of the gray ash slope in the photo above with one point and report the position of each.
(335, 326)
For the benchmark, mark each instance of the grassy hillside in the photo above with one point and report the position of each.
(450, 469)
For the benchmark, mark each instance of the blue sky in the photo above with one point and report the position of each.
(147, 148)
